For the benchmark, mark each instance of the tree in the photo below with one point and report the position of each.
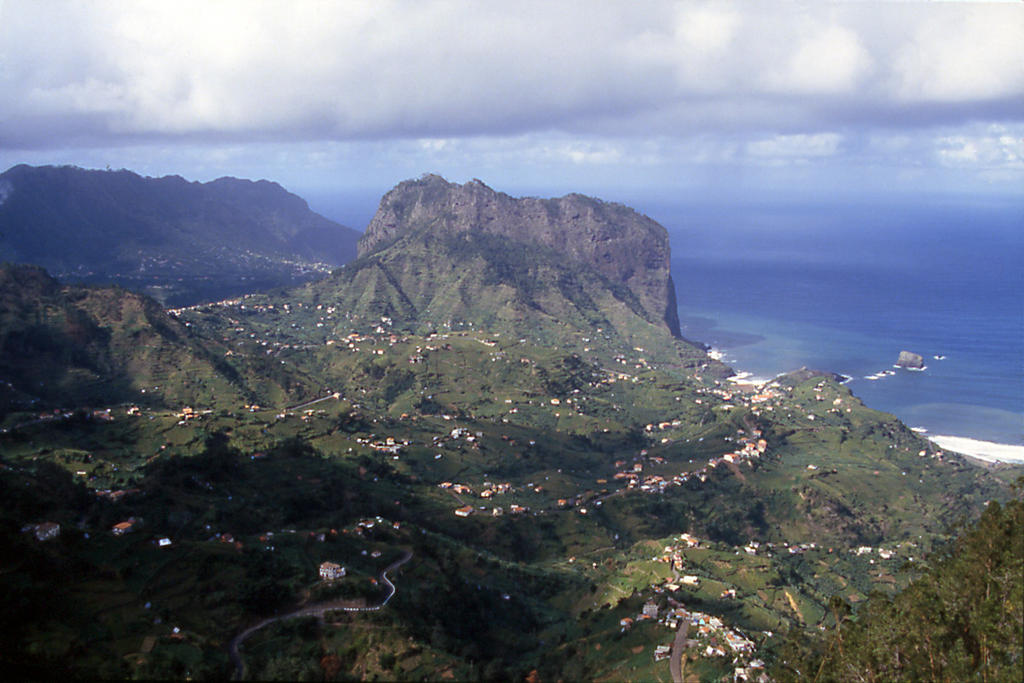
(962, 620)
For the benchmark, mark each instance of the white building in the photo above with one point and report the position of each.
(331, 570)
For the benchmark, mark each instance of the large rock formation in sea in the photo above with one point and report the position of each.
(911, 360)
(438, 253)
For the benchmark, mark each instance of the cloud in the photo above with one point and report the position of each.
(707, 29)
(560, 93)
(962, 54)
(830, 60)
(994, 148)
(795, 147)
(123, 72)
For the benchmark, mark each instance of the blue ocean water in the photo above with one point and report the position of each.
(845, 288)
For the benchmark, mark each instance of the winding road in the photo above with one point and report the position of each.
(316, 610)
(675, 664)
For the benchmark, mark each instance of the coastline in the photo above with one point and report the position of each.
(965, 391)
(989, 451)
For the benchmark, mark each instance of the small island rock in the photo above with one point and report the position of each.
(910, 360)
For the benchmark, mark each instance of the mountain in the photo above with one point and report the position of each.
(180, 241)
(614, 240)
(488, 421)
(439, 254)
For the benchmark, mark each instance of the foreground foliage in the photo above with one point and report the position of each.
(962, 620)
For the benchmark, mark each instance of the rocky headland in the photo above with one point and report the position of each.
(620, 244)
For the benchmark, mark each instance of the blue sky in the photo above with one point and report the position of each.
(617, 99)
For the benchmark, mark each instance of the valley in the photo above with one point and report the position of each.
(556, 483)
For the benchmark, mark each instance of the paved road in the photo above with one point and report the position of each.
(675, 664)
(335, 396)
(317, 610)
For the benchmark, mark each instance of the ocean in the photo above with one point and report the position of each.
(846, 287)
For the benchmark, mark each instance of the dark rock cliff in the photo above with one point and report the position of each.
(622, 245)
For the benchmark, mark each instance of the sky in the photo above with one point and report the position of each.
(629, 99)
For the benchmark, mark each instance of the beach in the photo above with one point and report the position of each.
(983, 450)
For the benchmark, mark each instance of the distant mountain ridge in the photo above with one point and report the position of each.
(178, 240)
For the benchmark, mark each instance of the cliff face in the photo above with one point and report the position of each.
(617, 242)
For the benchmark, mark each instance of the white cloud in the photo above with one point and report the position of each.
(627, 90)
(791, 147)
(308, 70)
(961, 54)
(707, 29)
(589, 152)
(830, 60)
(992, 149)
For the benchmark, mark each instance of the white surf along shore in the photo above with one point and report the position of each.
(983, 450)
(976, 448)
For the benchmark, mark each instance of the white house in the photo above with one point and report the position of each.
(331, 570)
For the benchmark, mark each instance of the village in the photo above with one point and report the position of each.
(698, 634)
(644, 473)
(434, 448)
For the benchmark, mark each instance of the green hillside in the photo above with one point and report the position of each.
(68, 347)
(961, 620)
(553, 483)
